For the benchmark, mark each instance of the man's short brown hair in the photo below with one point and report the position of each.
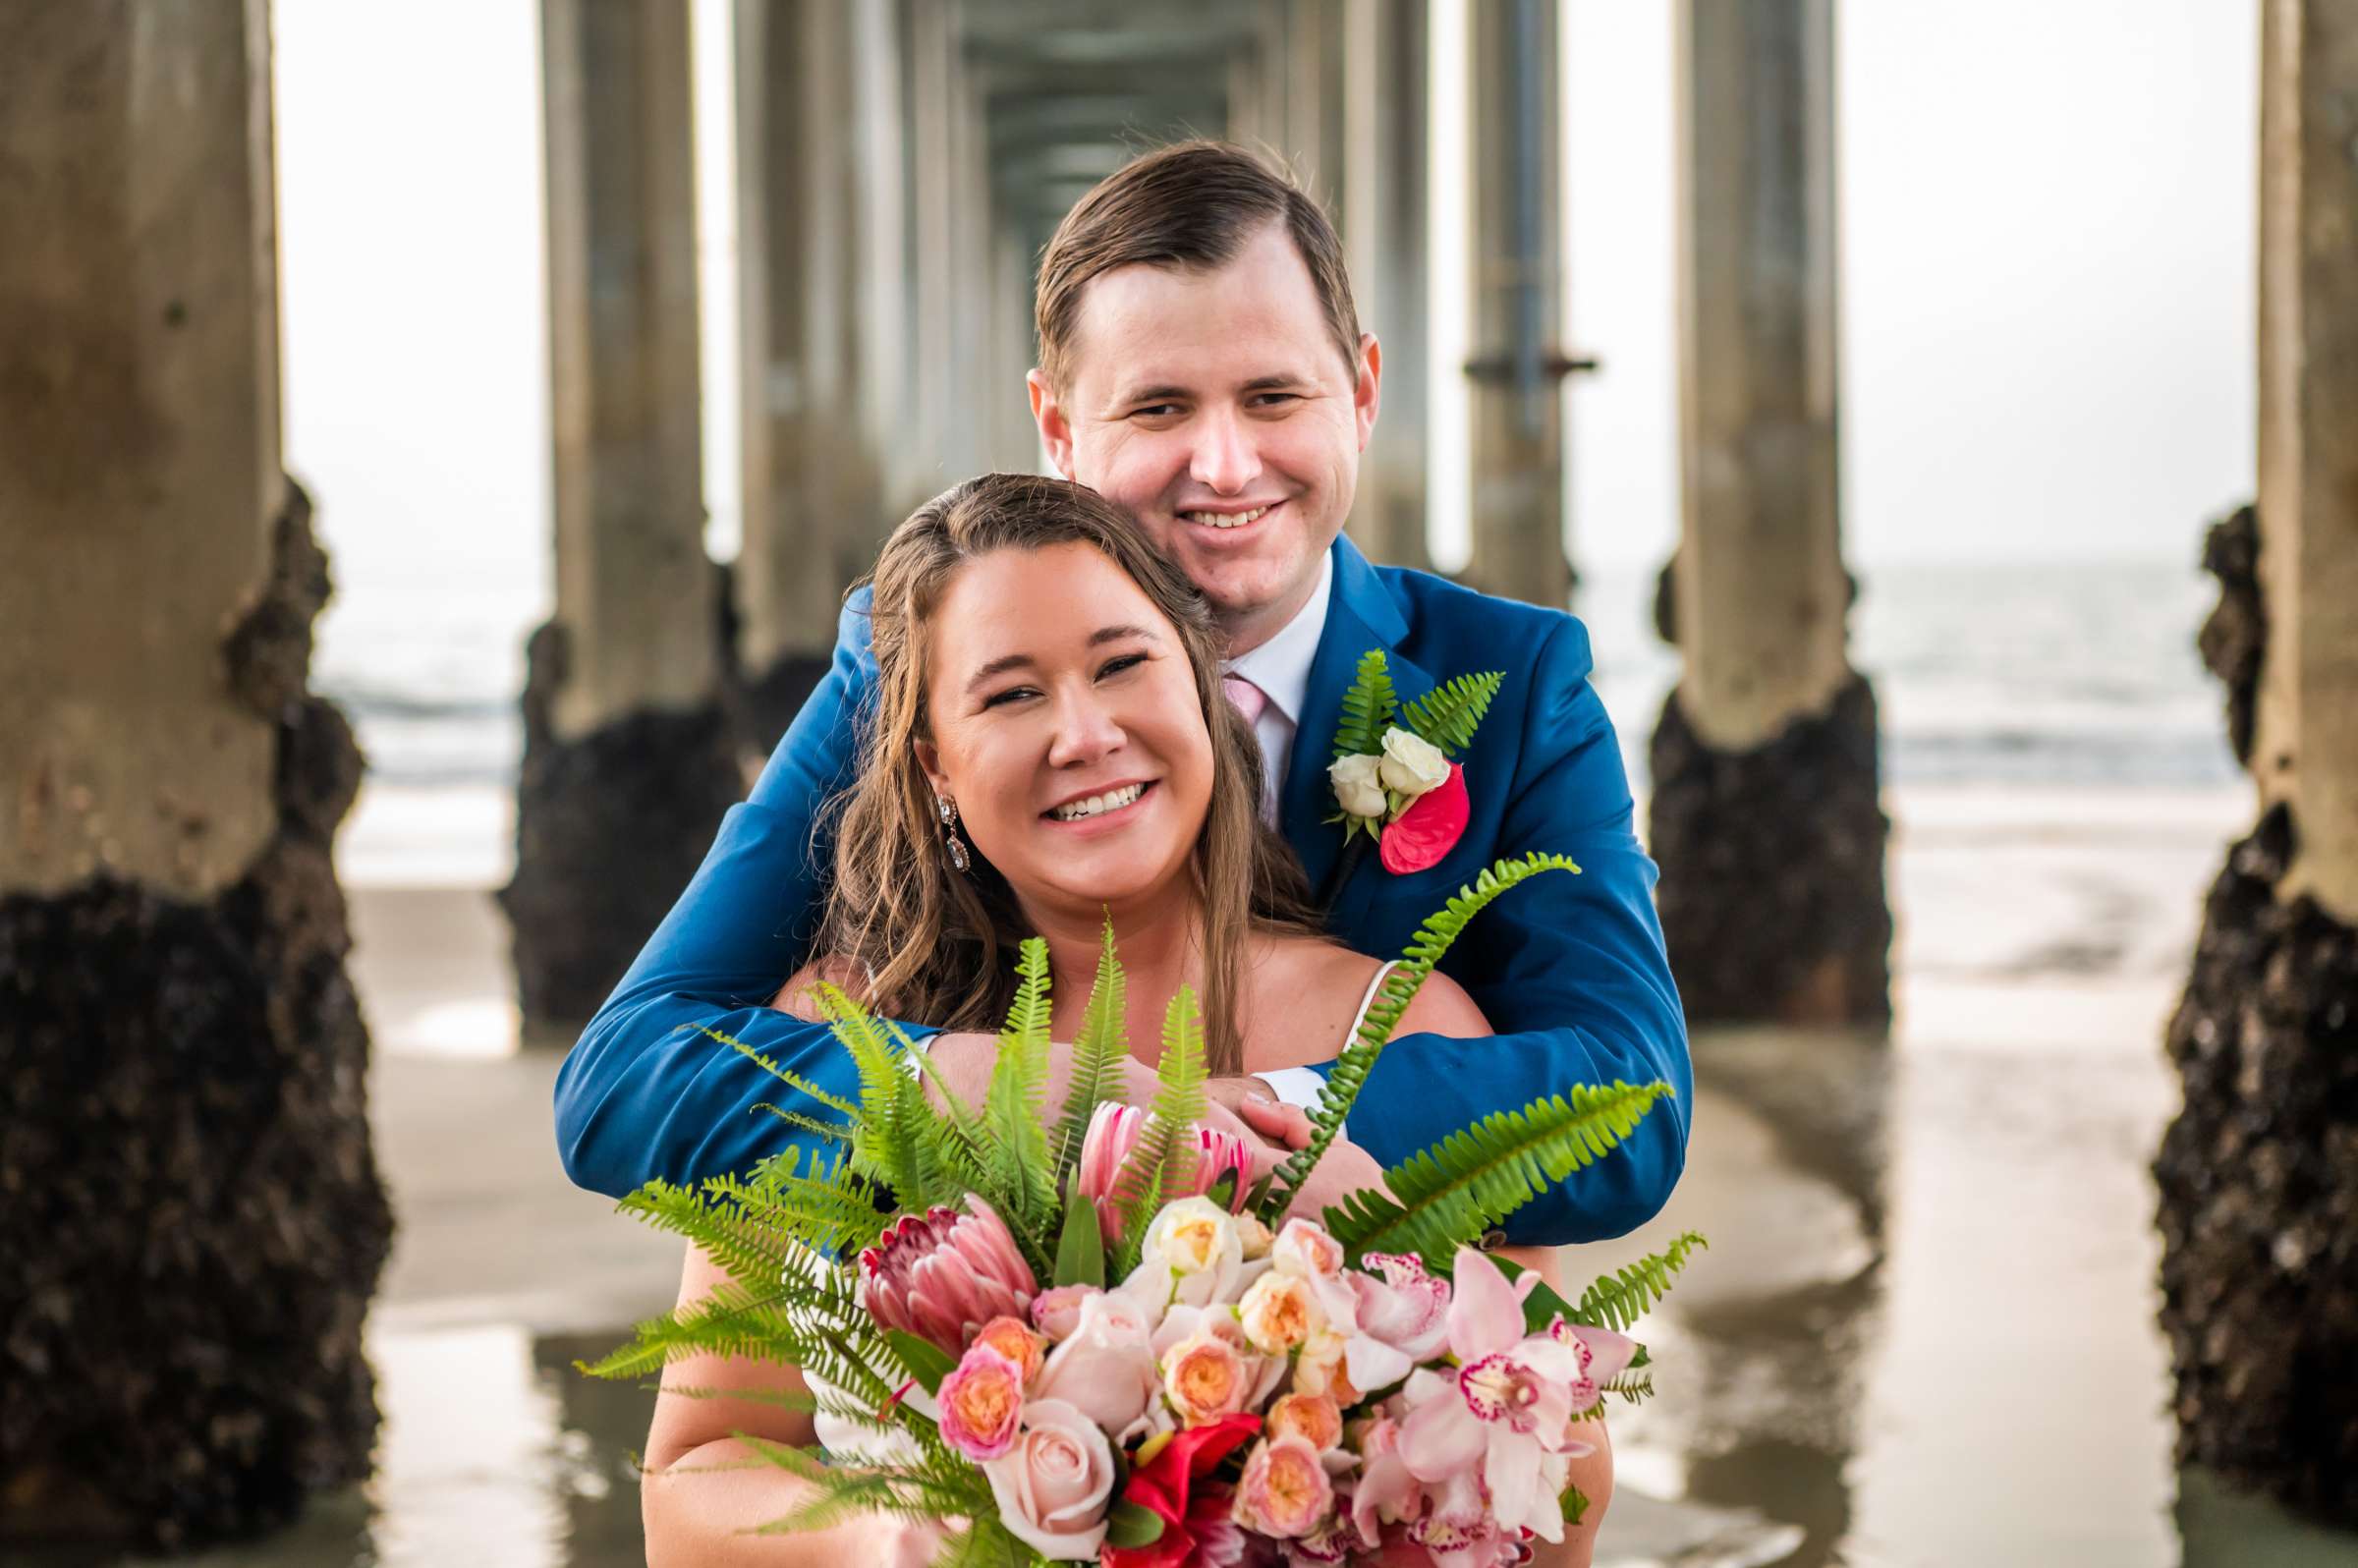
(1192, 205)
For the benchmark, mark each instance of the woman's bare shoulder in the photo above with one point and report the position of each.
(1442, 1007)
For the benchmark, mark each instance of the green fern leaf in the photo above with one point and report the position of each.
(1368, 707)
(1400, 988)
(1619, 1299)
(1450, 1194)
(1447, 714)
(1017, 1153)
(1097, 1055)
(1163, 1163)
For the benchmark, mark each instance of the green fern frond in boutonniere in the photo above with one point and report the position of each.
(1392, 774)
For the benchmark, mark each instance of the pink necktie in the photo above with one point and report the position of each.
(1249, 698)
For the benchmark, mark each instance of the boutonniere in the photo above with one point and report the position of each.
(1392, 776)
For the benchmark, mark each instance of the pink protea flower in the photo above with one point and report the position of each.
(944, 1274)
(1113, 1134)
(1502, 1417)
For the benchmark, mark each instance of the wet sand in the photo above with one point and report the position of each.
(1923, 1334)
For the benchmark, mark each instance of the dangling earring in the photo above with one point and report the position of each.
(949, 832)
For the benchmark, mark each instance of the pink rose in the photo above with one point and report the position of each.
(1285, 1492)
(1057, 1313)
(1105, 1366)
(981, 1402)
(1053, 1483)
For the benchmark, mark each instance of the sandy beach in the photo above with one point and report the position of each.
(1923, 1334)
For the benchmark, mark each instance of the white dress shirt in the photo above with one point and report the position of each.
(1280, 667)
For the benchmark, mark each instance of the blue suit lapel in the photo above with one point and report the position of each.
(1359, 615)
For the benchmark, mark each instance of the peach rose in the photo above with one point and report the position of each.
(981, 1402)
(1011, 1339)
(1279, 1313)
(1316, 1419)
(1285, 1492)
(1203, 1377)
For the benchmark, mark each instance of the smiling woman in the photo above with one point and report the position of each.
(1050, 683)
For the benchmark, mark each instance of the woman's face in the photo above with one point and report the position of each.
(1066, 726)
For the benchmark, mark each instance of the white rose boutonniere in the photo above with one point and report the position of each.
(1411, 765)
(1359, 785)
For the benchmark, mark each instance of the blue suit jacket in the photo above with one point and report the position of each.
(1569, 969)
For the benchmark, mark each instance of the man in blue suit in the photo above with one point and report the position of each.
(1202, 365)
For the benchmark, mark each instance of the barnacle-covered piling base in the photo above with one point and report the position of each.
(609, 827)
(2259, 1190)
(1771, 893)
(191, 1220)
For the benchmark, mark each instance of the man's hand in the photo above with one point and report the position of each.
(1258, 1106)
(1343, 1169)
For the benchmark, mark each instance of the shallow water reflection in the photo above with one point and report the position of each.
(1924, 1337)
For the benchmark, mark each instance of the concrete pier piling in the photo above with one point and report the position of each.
(822, 316)
(191, 1220)
(1518, 359)
(1764, 812)
(1386, 194)
(2259, 1174)
(628, 760)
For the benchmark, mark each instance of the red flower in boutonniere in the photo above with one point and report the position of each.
(1392, 776)
(1430, 827)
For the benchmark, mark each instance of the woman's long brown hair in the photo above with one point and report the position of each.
(939, 943)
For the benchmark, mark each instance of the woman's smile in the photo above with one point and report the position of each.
(1100, 810)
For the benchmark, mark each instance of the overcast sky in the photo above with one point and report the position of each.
(2047, 229)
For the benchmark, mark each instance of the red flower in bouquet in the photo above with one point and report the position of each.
(1195, 1523)
(1430, 827)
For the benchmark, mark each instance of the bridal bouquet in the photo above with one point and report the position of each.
(1087, 1338)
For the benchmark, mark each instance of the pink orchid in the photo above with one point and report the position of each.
(1405, 1313)
(942, 1275)
(1462, 1531)
(1112, 1137)
(1603, 1356)
(1502, 1417)
(1386, 1493)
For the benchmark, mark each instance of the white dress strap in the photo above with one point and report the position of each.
(1374, 985)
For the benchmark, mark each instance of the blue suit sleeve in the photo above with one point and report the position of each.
(1571, 972)
(645, 1093)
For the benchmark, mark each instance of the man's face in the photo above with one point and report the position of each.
(1215, 408)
